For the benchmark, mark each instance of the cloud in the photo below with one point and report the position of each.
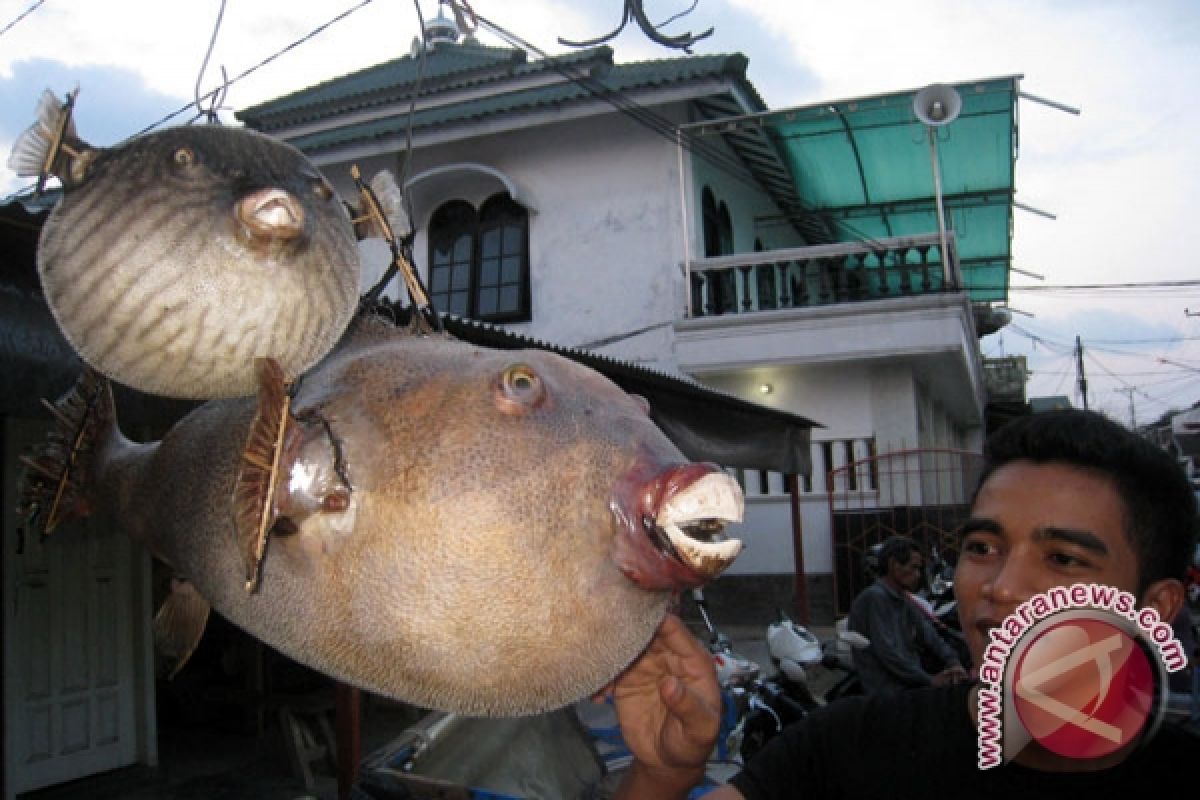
(113, 103)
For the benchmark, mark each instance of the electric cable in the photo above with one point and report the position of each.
(314, 32)
(21, 16)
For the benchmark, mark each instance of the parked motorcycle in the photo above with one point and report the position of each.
(838, 654)
(449, 755)
(938, 602)
(786, 696)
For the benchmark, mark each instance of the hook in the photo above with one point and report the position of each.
(633, 10)
(216, 96)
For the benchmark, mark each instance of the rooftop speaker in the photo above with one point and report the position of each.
(937, 105)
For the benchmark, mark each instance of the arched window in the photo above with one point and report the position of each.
(479, 261)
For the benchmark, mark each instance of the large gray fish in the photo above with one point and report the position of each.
(478, 531)
(178, 257)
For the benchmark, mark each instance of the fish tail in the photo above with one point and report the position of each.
(50, 145)
(57, 481)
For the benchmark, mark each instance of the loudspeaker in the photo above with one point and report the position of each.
(937, 104)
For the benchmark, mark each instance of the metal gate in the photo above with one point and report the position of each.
(923, 494)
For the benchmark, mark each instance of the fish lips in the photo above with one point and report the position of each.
(671, 525)
(270, 215)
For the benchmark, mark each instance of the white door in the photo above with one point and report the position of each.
(69, 643)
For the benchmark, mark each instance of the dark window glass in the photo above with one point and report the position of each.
(479, 262)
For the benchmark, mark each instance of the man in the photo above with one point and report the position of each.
(898, 631)
(1066, 497)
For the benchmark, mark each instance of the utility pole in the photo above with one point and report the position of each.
(1079, 367)
(1129, 390)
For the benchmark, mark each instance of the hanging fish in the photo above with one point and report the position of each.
(478, 531)
(177, 257)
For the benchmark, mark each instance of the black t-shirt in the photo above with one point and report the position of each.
(922, 744)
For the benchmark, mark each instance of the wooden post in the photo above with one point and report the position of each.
(349, 737)
(800, 579)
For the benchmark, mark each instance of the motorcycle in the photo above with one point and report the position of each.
(450, 755)
(785, 697)
(936, 599)
(837, 653)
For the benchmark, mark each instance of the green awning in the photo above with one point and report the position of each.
(864, 166)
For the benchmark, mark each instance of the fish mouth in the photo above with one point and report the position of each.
(271, 214)
(673, 536)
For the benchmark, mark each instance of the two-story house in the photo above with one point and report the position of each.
(660, 213)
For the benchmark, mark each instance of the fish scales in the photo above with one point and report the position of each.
(490, 529)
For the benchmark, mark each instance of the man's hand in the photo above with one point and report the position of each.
(669, 707)
(949, 676)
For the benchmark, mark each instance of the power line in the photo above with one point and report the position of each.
(314, 32)
(224, 87)
(21, 16)
(1042, 287)
(716, 156)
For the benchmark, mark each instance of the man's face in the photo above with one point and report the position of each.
(1033, 527)
(908, 573)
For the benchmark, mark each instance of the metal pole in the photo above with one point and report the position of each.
(683, 209)
(1079, 366)
(941, 214)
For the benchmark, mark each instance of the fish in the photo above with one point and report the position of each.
(177, 257)
(483, 532)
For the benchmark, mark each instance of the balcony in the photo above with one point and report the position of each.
(821, 275)
(847, 307)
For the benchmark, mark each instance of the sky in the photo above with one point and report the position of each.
(1119, 177)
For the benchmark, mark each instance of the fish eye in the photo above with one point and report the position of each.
(520, 389)
(185, 157)
(321, 190)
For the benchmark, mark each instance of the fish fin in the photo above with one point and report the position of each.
(254, 506)
(380, 213)
(391, 202)
(179, 624)
(54, 487)
(50, 145)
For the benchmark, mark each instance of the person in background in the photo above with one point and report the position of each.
(901, 636)
(1066, 497)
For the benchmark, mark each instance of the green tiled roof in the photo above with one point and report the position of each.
(462, 65)
(445, 67)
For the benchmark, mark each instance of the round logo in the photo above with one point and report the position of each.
(1084, 687)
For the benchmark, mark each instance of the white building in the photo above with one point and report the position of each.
(657, 212)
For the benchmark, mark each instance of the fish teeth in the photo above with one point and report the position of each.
(714, 497)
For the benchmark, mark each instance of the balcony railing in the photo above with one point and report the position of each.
(829, 459)
(821, 275)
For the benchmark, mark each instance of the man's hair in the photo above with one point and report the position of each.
(895, 548)
(1160, 504)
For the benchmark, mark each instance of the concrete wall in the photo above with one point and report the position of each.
(605, 227)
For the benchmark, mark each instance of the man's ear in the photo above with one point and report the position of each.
(1166, 597)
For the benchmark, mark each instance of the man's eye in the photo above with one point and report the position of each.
(1066, 560)
(977, 547)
